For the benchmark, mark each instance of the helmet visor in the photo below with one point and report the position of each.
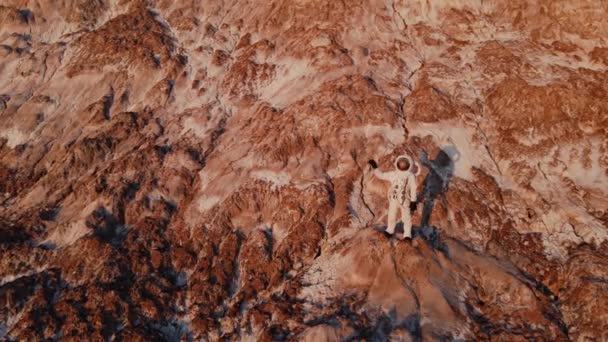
(403, 164)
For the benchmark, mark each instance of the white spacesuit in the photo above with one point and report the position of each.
(401, 193)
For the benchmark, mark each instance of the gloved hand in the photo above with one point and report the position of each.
(373, 163)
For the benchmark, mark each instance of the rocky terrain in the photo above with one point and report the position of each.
(198, 170)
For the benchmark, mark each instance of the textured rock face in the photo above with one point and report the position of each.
(198, 170)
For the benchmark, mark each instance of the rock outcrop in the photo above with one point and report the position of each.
(180, 170)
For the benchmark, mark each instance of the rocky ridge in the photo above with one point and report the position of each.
(198, 171)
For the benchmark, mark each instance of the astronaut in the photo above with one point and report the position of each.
(401, 194)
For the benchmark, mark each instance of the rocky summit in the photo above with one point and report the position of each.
(200, 170)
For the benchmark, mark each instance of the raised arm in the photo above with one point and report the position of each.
(376, 172)
(381, 175)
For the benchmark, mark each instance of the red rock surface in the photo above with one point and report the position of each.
(185, 170)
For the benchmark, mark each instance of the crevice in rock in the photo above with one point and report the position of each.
(269, 245)
(107, 103)
(362, 186)
(395, 11)
(486, 140)
(552, 313)
(233, 286)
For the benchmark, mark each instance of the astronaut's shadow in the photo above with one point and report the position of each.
(436, 183)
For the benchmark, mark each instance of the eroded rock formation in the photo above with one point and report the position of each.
(187, 170)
